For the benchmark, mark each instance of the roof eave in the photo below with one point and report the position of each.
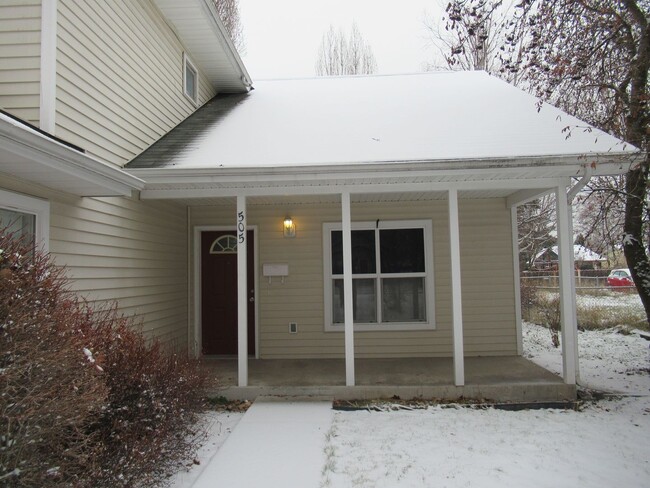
(601, 163)
(176, 16)
(30, 155)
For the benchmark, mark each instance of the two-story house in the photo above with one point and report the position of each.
(350, 235)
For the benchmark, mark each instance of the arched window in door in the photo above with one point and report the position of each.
(226, 244)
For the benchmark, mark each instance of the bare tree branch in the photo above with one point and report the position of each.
(341, 55)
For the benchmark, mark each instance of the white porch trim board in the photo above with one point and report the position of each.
(306, 187)
(346, 224)
(242, 292)
(567, 287)
(47, 109)
(456, 298)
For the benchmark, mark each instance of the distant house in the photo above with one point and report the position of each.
(583, 257)
(332, 218)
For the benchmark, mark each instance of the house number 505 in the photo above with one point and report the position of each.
(241, 227)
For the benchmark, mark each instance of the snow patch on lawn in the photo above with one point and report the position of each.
(605, 444)
(609, 360)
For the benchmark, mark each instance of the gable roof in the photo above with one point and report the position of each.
(580, 253)
(431, 117)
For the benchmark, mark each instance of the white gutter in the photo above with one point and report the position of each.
(478, 168)
(227, 44)
(200, 30)
(54, 160)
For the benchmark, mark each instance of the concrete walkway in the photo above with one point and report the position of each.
(278, 443)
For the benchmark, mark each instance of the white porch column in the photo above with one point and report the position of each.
(567, 287)
(456, 299)
(346, 221)
(242, 293)
(517, 278)
(574, 294)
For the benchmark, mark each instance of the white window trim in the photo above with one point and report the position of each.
(34, 206)
(426, 225)
(188, 62)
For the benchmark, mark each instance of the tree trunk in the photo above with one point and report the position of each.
(635, 255)
(636, 185)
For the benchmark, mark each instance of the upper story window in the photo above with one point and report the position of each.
(26, 218)
(392, 275)
(190, 80)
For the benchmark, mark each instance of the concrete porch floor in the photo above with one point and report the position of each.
(500, 379)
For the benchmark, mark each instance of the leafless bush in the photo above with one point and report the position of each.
(541, 308)
(147, 424)
(85, 399)
(548, 307)
(529, 299)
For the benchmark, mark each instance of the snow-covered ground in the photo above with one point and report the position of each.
(218, 425)
(613, 299)
(604, 444)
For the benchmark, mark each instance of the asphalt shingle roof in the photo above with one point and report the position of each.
(444, 116)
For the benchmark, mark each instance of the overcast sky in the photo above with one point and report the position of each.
(282, 36)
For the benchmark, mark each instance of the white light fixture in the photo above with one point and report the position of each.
(289, 227)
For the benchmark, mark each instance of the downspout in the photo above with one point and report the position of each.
(191, 342)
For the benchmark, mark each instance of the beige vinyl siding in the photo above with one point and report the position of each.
(126, 250)
(487, 278)
(20, 50)
(119, 78)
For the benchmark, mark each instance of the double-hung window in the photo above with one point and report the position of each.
(392, 275)
(25, 218)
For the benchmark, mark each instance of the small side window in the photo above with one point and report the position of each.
(190, 80)
(26, 218)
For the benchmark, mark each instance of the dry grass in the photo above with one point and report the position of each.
(542, 307)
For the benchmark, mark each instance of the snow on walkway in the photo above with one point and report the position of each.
(276, 444)
(218, 425)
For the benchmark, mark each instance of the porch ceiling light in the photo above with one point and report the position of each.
(289, 227)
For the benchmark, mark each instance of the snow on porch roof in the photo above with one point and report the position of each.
(446, 116)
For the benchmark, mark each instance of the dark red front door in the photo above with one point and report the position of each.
(219, 292)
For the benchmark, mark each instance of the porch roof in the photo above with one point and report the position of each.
(467, 119)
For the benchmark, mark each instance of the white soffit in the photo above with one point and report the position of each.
(28, 154)
(197, 24)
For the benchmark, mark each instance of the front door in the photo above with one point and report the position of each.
(219, 292)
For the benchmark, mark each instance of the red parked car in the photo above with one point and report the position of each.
(620, 277)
